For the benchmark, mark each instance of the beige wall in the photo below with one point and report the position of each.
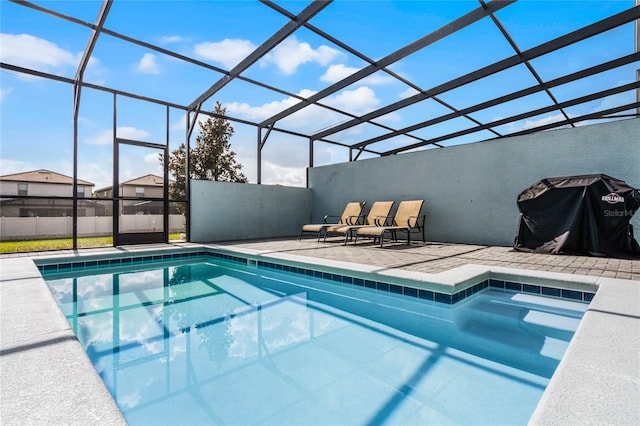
(42, 189)
(149, 191)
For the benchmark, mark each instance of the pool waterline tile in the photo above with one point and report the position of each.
(48, 266)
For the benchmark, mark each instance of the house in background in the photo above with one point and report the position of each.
(147, 186)
(44, 183)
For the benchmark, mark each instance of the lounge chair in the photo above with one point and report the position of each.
(350, 216)
(407, 219)
(378, 216)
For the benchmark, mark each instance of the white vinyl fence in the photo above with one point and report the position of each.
(20, 228)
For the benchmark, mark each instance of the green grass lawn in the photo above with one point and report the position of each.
(54, 244)
(61, 243)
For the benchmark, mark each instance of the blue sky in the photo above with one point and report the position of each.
(36, 114)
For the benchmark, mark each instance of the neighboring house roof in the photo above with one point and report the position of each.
(43, 176)
(146, 180)
(105, 189)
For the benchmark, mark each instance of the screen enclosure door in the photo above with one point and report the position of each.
(141, 199)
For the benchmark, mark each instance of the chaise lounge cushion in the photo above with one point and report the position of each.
(406, 219)
(349, 216)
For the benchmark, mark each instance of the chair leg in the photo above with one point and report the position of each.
(346, 236)
(381, 239)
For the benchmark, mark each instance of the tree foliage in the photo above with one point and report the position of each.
(211, 158)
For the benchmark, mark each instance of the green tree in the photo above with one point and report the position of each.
(211, 158)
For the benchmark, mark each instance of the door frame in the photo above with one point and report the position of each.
(126, 238)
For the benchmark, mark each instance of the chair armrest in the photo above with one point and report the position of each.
(326, 218)
(417, 225)
(380, 222)
(355, 220)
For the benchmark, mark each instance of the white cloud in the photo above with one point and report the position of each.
(33, 52)
(228, 52)
(171, 39)
(600, 105)
(42, 55)
(99, 173)
(105, 137)
(392, 117)
(408, 93)
(359, 101)
(259, 113)
(152, 158)
(378, 79)
(291, 53)
(289, 176)
(338, 72)
(285, 163)
(148, 64)
(131, 133)
(284, 158)
(530, 124)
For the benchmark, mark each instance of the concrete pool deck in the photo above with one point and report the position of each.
(46, 377)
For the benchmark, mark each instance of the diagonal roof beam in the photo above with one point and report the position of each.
(506, 98)
(604, 114)
(309, 12)
(342, 45)
(356, 53)
(197, 62)
(91, 43)
(67, 80)
(590, 30)
(533, 113)
(431, 38)
(150, 46)
(527, 63)
(88, 50)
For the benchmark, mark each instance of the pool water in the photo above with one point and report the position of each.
(217, 342)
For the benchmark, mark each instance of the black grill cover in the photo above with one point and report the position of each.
(584, 215)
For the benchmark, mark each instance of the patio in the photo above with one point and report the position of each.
(439, 257)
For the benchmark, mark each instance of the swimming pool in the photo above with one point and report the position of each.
(220, 340)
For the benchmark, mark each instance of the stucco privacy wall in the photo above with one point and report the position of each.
(470, 191)
(222, 211)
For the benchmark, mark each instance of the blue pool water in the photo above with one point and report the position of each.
(217, 342)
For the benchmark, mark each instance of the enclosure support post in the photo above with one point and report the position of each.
(165, 183)
(115, 189)
(191, 124)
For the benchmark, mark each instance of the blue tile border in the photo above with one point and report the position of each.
(560, 293)
(50, 267)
